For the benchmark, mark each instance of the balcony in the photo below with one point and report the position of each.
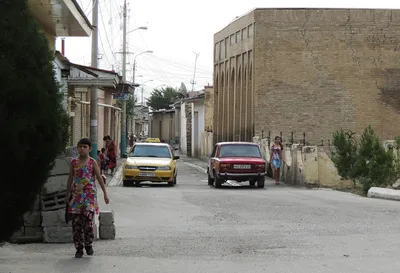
(61, 18)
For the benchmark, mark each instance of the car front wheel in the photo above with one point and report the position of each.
(210, 180)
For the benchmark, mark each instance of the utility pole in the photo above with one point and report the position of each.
(194, 73)
(133, 81)
(93, 91)
(123, 121)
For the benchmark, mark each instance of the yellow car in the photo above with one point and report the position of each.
(154, 162)
(152, 140)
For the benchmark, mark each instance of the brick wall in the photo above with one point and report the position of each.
(314, 71)
(319, 70)
(208, 108)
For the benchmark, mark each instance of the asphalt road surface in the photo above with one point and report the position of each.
(194, 228)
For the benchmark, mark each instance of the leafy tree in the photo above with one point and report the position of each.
(163, 98)
(33, 122)
(374, 165)
(345, 153)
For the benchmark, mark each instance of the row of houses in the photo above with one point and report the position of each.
(188, 124)
(77, 80)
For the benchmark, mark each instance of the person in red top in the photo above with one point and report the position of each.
(111, 151)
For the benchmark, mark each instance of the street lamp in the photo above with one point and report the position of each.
(142, 84)
(123, 120)
(134, 62)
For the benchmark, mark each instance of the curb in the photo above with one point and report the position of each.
(201, 169)
(116, 179)
(384, 193)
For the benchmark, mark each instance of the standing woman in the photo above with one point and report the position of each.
(111, 151)
(276, 158)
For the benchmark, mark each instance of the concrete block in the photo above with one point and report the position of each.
(96, 232)
(383, 193)
(57, 235)
(32, 219)
(54, 218)
(55, 184)
(61, 166)
(34, 232)
(106, 218)
(396, 184)
(107, 232)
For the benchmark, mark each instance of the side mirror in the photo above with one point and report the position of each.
(176, 157)
(124, 155)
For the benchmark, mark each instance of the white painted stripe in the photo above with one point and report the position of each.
(117, 178)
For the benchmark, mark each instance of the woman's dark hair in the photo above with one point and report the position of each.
(280, 142)
(106, 138)
(85, 141)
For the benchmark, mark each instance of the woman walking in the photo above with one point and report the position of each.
(276, 158)
(82, 197)
(111, 151)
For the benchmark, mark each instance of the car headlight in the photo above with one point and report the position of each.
(131, 167)
(164, 168)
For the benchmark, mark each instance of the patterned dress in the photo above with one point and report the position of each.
(84, 192)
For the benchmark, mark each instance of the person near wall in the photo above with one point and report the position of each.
(81, 197)
(276, 158)
(111, 152)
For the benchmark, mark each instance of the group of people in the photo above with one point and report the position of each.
(107, 157)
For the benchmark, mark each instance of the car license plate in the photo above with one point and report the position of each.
(147, 174)
(246, 167)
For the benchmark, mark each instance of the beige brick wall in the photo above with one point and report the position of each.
(208, 108)
(318, 70)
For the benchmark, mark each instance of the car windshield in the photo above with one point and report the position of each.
(239, 150)
(150, 151)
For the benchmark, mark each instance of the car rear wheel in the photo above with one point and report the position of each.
(261, 182)
(252, 183)
(126, 183)
(218, 181)
(210, 180)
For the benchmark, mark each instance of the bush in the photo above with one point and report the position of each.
(366, 162)
(345, 153)
(33, 122)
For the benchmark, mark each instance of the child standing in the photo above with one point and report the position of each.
(81, 187)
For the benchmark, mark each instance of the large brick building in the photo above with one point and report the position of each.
(307, 71)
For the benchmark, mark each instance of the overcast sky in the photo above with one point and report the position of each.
(176, 29)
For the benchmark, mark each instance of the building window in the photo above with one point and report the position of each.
(217, 52)
(232, 39)
(251, 30)
(226, 47)
(222, 49)
(237, 36)
(244, 33)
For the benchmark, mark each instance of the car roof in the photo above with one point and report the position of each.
(236, 143)
(152, 143)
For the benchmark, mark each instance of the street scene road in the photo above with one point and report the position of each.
(196, 228)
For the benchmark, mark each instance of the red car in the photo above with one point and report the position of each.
(238, 161)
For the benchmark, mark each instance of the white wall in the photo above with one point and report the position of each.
(197, 140)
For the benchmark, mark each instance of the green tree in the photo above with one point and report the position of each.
(345, 153)
(163, 98)
(33, 122)
(374, 165)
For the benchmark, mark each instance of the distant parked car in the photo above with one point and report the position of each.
(238, 161)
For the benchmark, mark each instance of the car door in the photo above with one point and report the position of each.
(211, 162)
